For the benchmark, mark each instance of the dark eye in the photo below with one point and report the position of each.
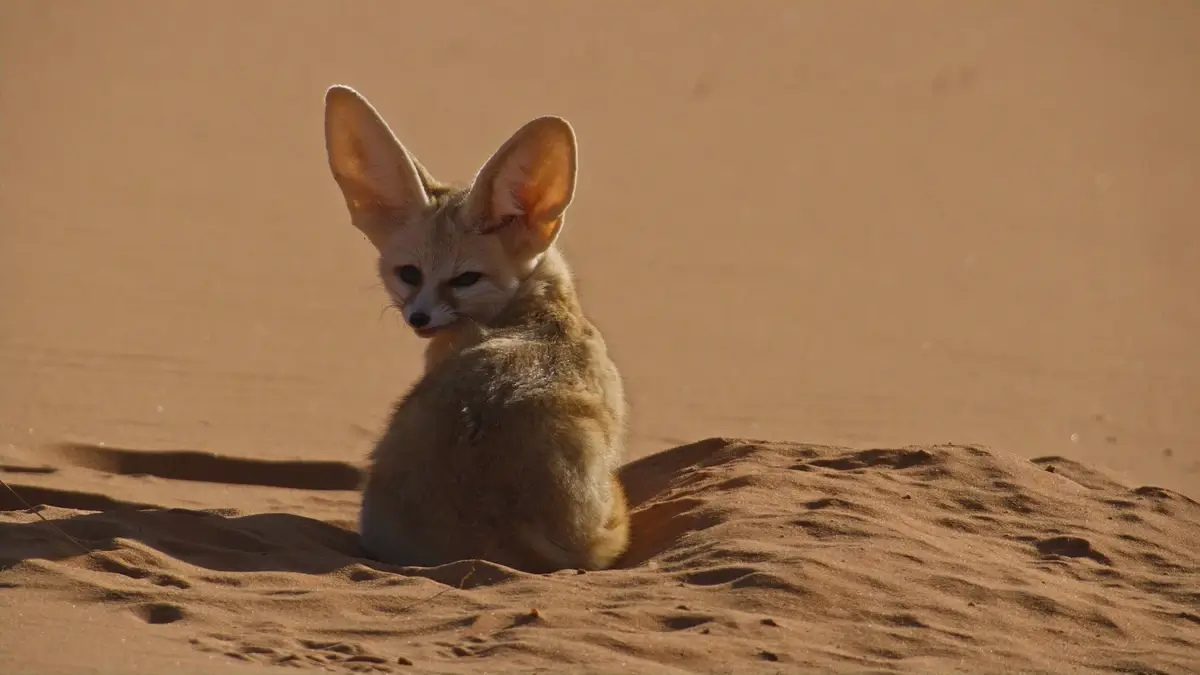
(466, 279)
(409, 275)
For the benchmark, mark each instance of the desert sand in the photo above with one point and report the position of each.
(941, 256)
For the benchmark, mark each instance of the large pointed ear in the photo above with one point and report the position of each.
(522, 192)
(382, 183)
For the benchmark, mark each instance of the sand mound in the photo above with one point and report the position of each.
(749, 556)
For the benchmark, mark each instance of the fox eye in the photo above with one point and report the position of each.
(409, 274)
(465, 279)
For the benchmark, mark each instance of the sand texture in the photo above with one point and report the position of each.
(943, 256)
(748, 556)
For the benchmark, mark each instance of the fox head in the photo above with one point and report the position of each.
(448, 253)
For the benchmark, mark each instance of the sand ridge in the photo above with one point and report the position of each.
(860, 229)
(748, 556)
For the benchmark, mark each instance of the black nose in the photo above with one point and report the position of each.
(418, 319)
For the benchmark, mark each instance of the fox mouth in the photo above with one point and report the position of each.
(427, 332)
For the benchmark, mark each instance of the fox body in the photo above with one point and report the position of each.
(506, 449)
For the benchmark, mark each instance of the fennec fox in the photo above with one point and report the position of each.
(507, 447)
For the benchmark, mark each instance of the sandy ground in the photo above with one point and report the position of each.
(943, 255)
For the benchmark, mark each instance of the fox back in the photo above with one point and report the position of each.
(507, 447)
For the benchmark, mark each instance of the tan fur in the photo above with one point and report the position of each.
(507, 447)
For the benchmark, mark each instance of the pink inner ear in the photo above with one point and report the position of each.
(543, 190)
(528, 184)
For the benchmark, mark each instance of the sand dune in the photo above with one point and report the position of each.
(843, 226)
(748, 556)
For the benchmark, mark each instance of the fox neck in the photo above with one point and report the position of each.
(547, 294)
(546, 298)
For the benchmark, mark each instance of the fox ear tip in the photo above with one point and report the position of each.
(555, 120)
(553, 124)
(342, 97)
(338, 90)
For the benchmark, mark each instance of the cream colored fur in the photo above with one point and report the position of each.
(507, 447)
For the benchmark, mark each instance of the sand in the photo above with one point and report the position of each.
(941, 255)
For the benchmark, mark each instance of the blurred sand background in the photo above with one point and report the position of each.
(863, 223)
(859, 222)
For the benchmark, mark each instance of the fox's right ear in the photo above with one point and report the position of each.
(382, 183)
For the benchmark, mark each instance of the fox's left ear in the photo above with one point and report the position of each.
(522, 192)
